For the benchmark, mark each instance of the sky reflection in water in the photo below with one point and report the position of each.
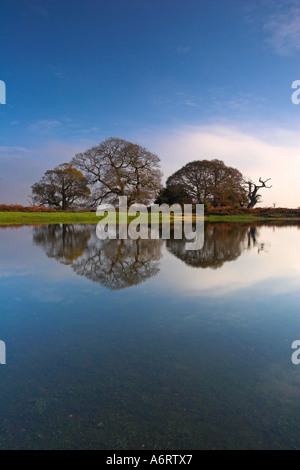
(165, 349)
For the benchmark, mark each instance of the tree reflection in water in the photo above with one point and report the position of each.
(120, 263)
(64, 242)
(115, 264)
(222, 242)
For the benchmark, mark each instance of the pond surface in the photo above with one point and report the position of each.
(139, 344)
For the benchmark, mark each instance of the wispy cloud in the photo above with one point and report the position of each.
(44, 125)
(183, 49)
(6, 151)
(56, 72)
(224, 99)
(61, 127)
(177, 99)
(41, 10)
(190, 103)
(283, 30)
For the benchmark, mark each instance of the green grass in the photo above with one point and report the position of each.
(20, 218)
(23, 218)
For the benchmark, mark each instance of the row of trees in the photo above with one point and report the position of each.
(117, 167)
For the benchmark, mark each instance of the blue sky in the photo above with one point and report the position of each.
(188, 79)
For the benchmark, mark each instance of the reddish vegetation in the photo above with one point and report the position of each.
(19, 208)
(257, 211)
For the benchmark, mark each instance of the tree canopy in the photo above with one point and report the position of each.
(207, 181)
(116, 168)
(174, 194)
(60, 188)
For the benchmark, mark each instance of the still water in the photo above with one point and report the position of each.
(139, 344)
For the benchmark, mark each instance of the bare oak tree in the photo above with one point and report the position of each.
(252, 191)
(116, 168)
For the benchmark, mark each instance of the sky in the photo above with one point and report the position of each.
(189, 80)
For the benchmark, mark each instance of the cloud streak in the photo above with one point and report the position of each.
(44, 126)
(183, 49)
(283, 31)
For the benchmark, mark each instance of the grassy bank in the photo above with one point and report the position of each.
(23, 218)
(20, 218)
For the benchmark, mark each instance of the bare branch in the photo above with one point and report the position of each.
(253, 196)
